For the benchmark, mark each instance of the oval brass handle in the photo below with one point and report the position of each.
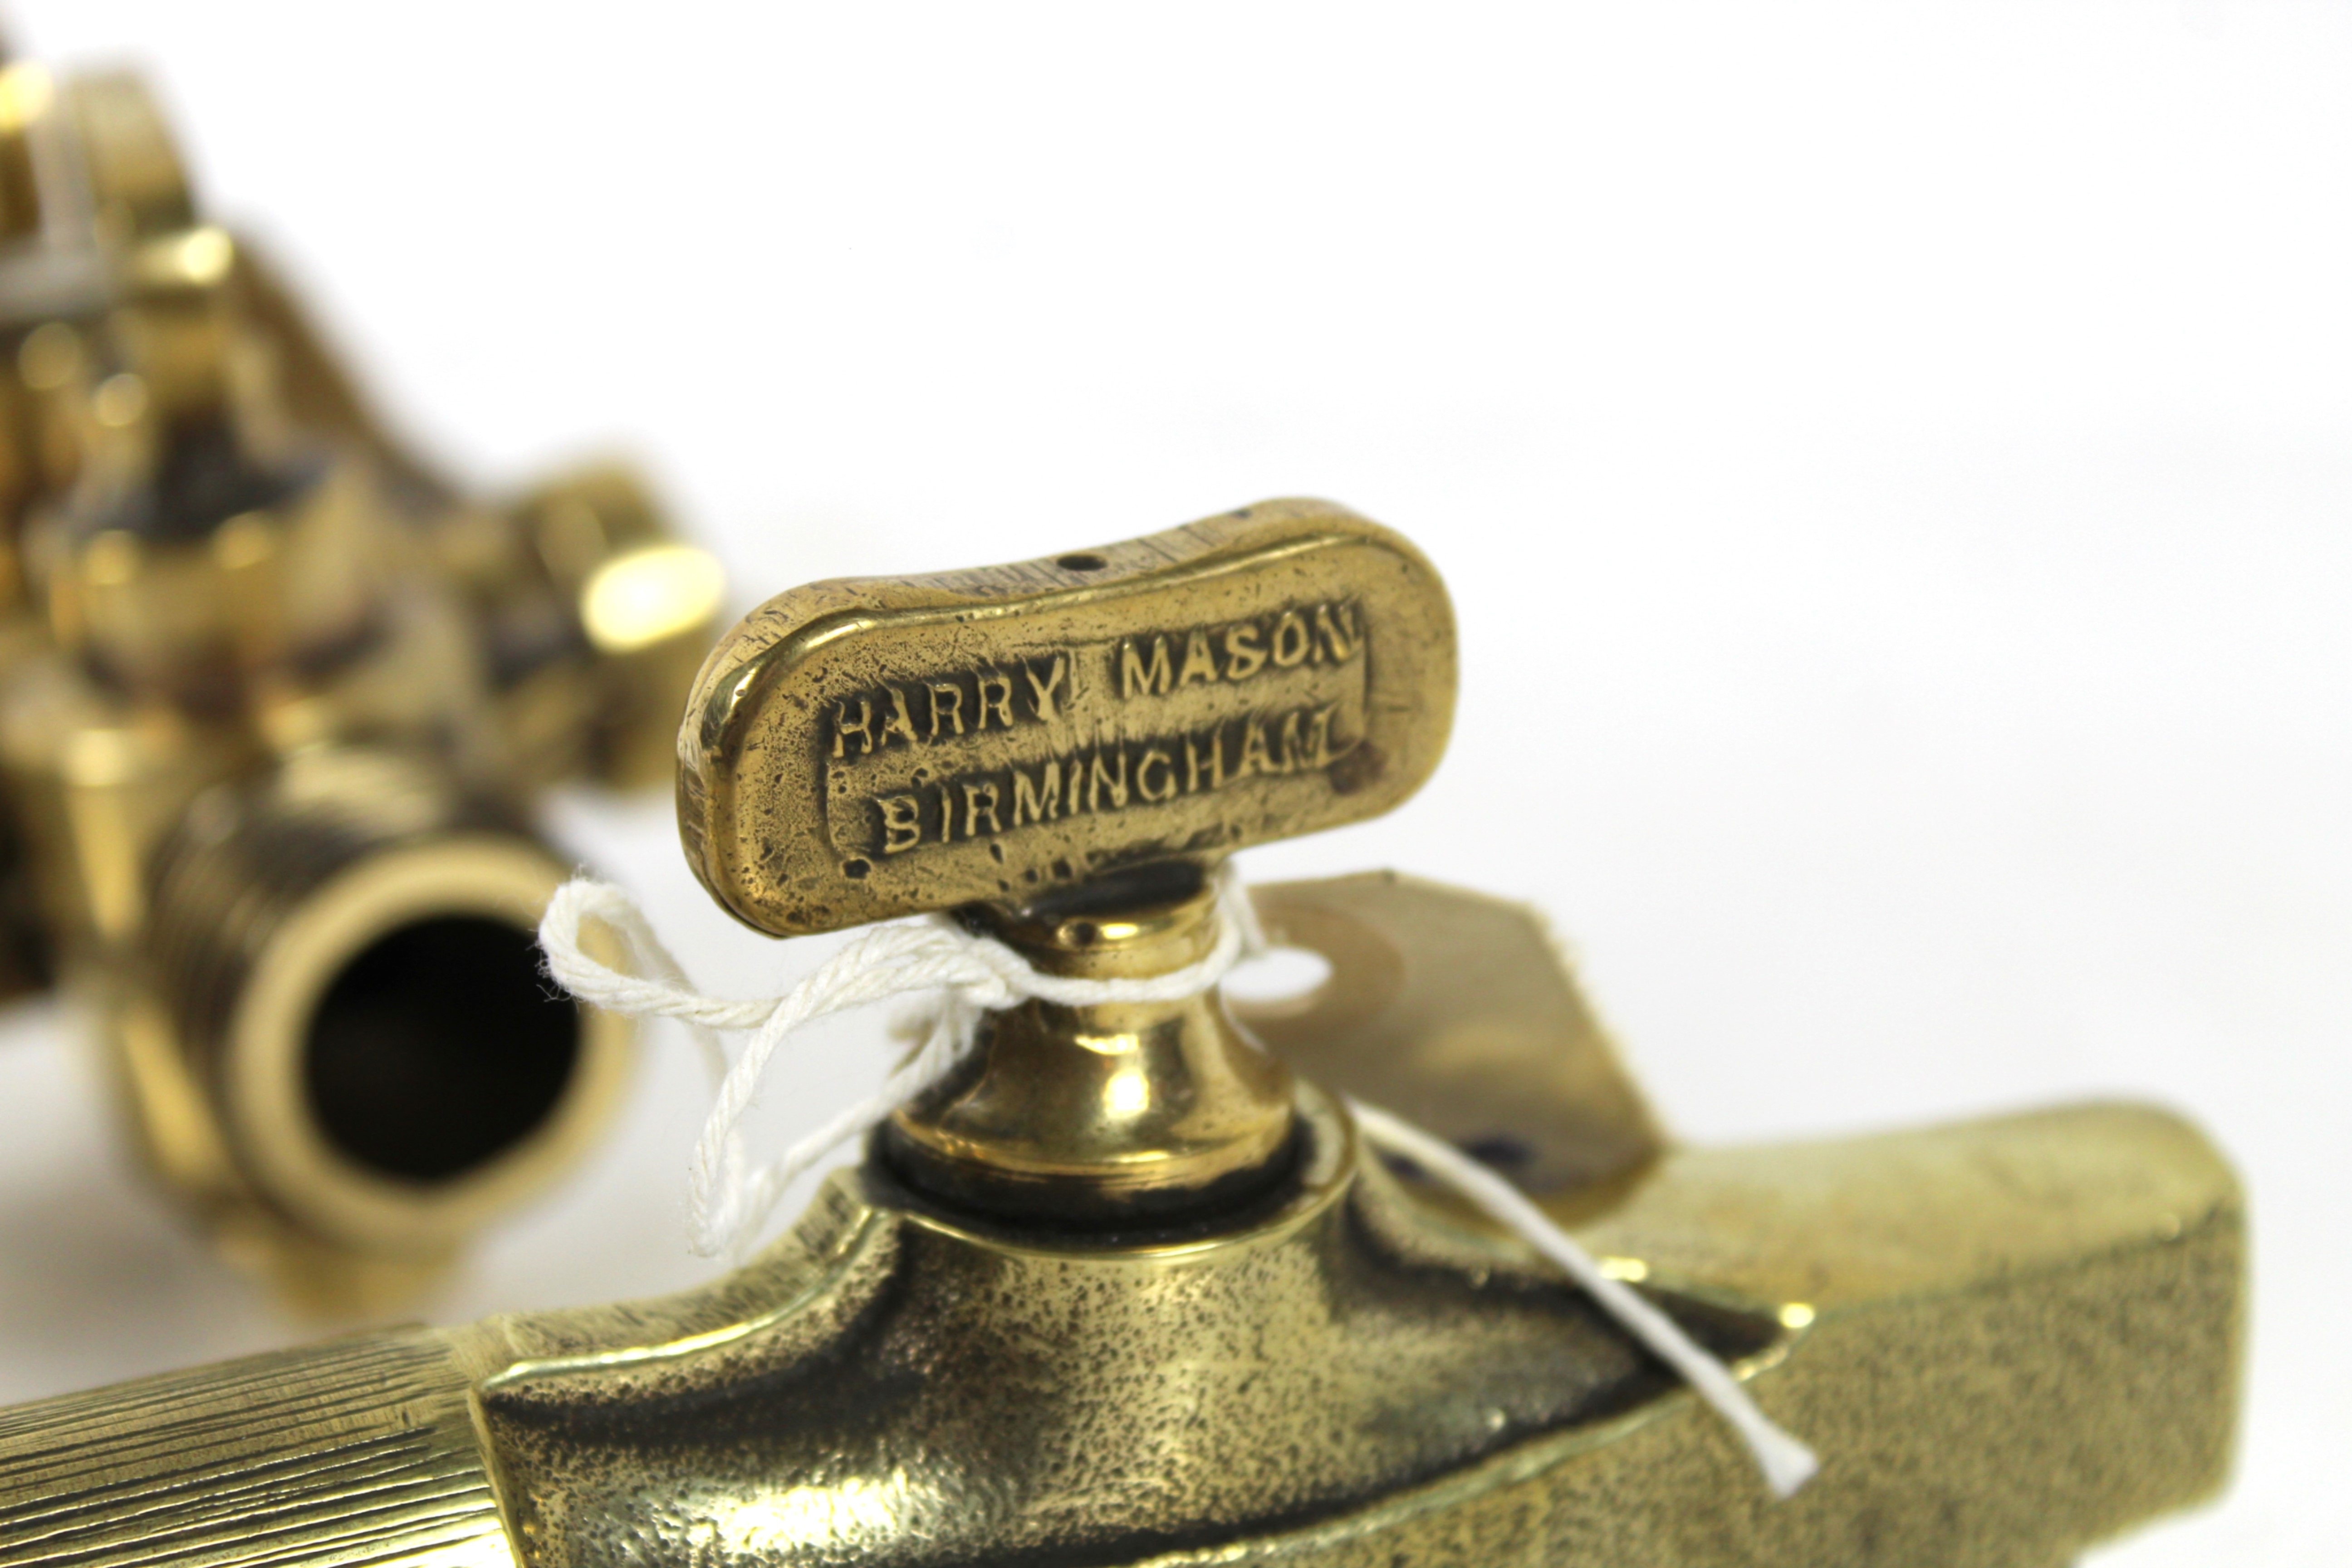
(868, 748)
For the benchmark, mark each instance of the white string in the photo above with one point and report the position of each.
(1786, 1462)
(729, 1201)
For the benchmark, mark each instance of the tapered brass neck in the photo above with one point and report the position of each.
(1108, 1114)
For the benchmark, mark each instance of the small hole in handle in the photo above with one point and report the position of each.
(1084, 561)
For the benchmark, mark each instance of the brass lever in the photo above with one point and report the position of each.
(1061, 749)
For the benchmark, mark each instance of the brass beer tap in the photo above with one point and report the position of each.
(1126, 1287)
(277, 705)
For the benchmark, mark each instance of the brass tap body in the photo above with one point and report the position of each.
(277, 704)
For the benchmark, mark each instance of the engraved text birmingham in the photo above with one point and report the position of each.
(1128, 760)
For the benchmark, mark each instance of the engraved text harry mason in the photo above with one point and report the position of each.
(1189, 711)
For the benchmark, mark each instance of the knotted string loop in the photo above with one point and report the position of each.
(728, 1197)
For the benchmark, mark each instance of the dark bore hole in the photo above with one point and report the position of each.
(1084, 561)
(439, 1048)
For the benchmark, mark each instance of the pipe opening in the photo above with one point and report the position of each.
(439, 1048)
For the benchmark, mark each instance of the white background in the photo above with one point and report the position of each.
(1893, 466)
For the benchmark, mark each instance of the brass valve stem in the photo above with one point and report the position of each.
(1125, 1112)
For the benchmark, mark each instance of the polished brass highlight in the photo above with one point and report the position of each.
(1108, 1113)
(276, 704)
(1126, 1291)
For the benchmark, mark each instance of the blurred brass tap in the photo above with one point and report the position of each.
(1124, 1283)
(277, 701)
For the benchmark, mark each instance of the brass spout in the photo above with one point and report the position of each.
(339, 1040)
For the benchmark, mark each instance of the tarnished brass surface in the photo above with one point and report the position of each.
(868, 748)
(2013, 1338)
(964, 1395)
(276, 703)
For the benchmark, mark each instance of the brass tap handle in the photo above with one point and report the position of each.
(1059, 748)
(874, 747)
